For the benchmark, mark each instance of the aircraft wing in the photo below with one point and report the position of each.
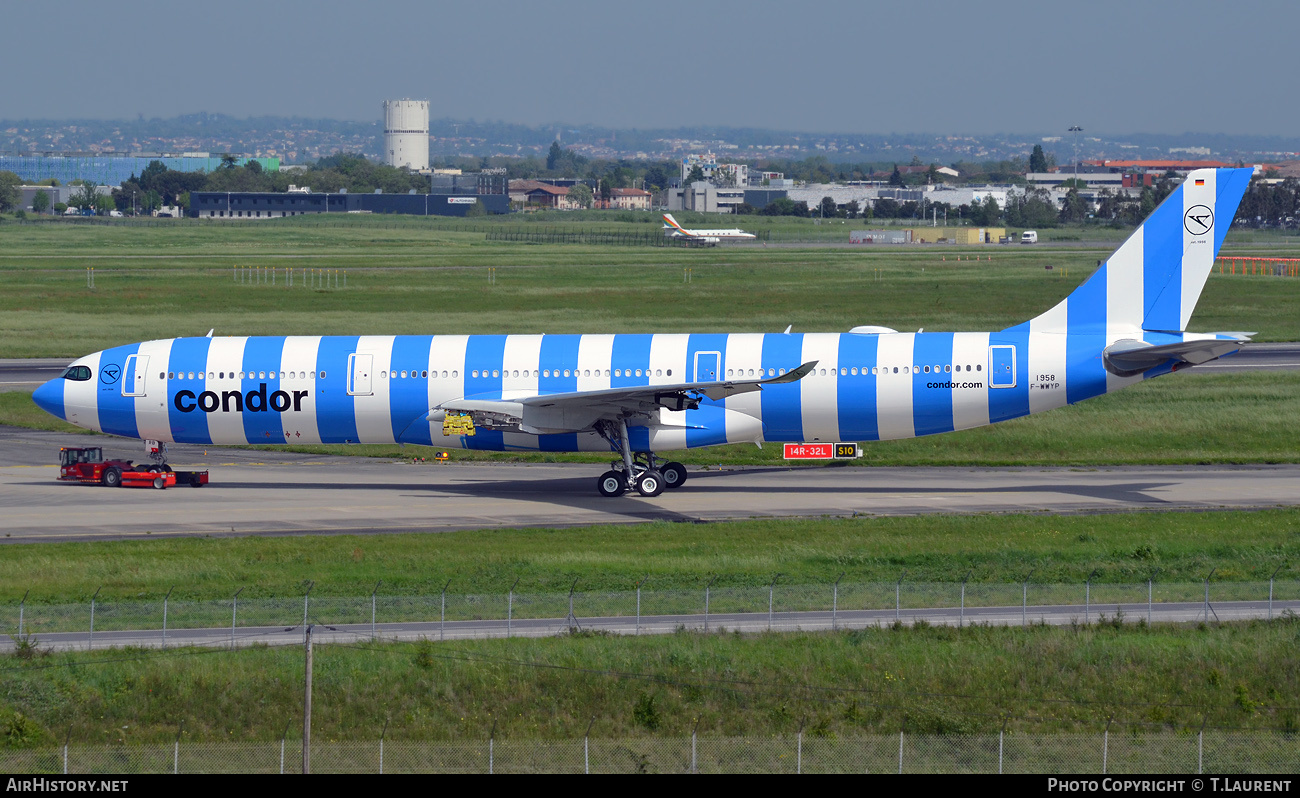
(1129, 357)
(579, 410)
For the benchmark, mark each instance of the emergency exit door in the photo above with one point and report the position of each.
(133, 377)
(360, 368)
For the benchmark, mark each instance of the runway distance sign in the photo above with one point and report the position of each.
(847, 451)
(822, 451)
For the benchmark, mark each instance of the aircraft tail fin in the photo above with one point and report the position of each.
(1153, 281)
(671, 223)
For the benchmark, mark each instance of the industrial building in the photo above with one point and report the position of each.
(111, 169)
(450, 194)
(705, 197)
(268, 205)
(406, 134)
(56, 194)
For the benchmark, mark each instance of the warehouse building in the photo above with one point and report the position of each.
(267, 205)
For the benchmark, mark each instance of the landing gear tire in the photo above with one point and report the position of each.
(112, 477)
(674, 475)
(650, 484)
(611, 483)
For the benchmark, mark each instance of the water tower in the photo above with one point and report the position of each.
(406, 133)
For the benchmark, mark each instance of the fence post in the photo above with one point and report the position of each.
(442, 616)
(835, 600)
(305, 597)
(1200, 748)
(1207, 595)
(90, 641)
(638, 604)
(771, 591)
(694, 768)
(1024, 608)
(510, 609)
(1270, 599)
(234, 614)
(961, 621)
(572, 619)
(1087, 597)
(1105, 746)
(798, 756)
(1150, 579)
(706, 602)
(492, 737)
(586, 754)
(1001, 733)
(372, 627)
(898, 592)
(900, 751)
(166, 598)
(22, 605)
(382, 735)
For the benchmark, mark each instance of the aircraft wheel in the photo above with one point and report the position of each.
(650, 484)
(674, 475)
(611, 483)
(112, 477)
(164, 468)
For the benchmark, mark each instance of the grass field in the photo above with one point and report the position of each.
(927, 680)
(418, 277)
(1122, 548)
(413, 275)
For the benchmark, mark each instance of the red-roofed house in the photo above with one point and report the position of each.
(542, 195)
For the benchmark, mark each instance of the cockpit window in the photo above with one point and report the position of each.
(77, 373)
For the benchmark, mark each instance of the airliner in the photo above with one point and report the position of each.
(674, 230)
(637, 396)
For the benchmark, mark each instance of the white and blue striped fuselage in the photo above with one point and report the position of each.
(567, 393)
(381, 389)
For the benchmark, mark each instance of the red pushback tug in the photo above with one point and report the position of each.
(87, 464)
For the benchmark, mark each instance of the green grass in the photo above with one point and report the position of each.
(1122, 548)
(930, 680)
(415, 276)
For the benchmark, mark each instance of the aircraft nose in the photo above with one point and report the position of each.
(49, 397)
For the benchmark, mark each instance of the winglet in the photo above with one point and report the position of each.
(793, 375)
(210, 332)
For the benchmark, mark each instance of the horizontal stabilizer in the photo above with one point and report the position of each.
(1129, 357)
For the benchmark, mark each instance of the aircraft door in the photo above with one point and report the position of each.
(133, 378)
(360, 368)
(1002, 366)
(706, 366)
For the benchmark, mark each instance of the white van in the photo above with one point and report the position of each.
(1029, 237)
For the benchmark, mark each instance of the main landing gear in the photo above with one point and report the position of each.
(639, 471)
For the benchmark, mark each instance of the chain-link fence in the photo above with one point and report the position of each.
(1023, 602)
(1109, 751)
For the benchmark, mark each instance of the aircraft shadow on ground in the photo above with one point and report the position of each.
(580, 491)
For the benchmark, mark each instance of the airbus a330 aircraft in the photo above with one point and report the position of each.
(675, 230)
(639, 395)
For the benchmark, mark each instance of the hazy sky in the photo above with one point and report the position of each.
(869, 67)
